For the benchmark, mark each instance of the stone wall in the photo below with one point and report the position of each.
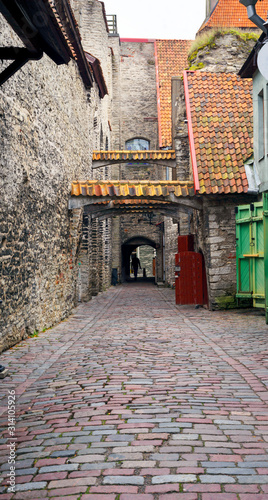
(215, 238)
(47, 138)
(138, 93)
(171, 247)
(223, 53)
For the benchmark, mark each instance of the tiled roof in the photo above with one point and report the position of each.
(220, 120)
(171, 60)
(232, 14)
(135, 188)
(134, 155)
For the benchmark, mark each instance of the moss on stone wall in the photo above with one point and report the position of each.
(208, 40)
(226, 302)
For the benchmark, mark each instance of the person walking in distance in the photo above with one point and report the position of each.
(135, 264)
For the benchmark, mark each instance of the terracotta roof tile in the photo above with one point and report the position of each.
(220, 157)
(171, 60)
(134, 155)
(232, 14)
(129, 188)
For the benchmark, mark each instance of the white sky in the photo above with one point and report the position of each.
(179, 19)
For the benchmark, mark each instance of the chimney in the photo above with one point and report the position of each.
(210, 6)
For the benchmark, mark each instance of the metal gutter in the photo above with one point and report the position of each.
(190, 131)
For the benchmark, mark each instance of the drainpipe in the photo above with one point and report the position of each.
(252, 15)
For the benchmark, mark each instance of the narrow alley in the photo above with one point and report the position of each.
(134, 398)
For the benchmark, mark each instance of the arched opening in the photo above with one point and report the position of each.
(146, 250)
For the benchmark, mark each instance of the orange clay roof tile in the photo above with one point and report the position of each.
(232, 14)
(134, 155)
(229, 141)
(171, 60)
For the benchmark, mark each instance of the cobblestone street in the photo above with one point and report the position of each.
(133, 398)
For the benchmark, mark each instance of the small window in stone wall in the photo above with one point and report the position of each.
(106, 143)
(137, 144)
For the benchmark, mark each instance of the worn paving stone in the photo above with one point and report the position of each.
(147, 400)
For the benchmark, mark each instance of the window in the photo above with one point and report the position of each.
(137, 144)
(261, 126)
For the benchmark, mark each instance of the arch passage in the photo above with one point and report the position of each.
(130, 245)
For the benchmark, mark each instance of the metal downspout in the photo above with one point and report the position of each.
(252, 15)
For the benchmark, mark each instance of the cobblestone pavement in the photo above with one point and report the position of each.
(133, 398)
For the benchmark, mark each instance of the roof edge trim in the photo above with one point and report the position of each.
(138, 40)
(190, 131)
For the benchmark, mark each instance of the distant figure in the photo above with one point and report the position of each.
(135, 264)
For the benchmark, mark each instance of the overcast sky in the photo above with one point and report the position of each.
(179, 19)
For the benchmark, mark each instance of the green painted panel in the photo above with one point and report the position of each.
(259, 237)
(244, 239)
(244, 271)
(258, 286)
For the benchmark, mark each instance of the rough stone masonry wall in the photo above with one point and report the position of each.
(46, 143)
(95, 40)
(215, 237)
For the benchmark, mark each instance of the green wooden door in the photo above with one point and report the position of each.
(250, 253)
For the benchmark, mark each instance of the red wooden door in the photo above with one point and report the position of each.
(186, 243)
(189, 278)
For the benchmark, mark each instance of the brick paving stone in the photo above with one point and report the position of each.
(239, 488)
(174, 478)
(162, 488)
(178, 496)
(94, 496)
(65, 483)
(136, 480)
(114, 489)
(249, 496)
(139, 496)
(65, 492)
(202, 488)
(50, 477)
(166, 394)
(220, 496)
(31, 486)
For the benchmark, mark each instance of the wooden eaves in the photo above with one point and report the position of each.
(42, 30)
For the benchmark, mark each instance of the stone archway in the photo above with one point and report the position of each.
(130, 245)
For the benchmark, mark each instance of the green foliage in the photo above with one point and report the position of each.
(208, 39)
(34, 334)
(197, 66)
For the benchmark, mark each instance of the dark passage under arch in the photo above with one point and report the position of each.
(130, 246)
